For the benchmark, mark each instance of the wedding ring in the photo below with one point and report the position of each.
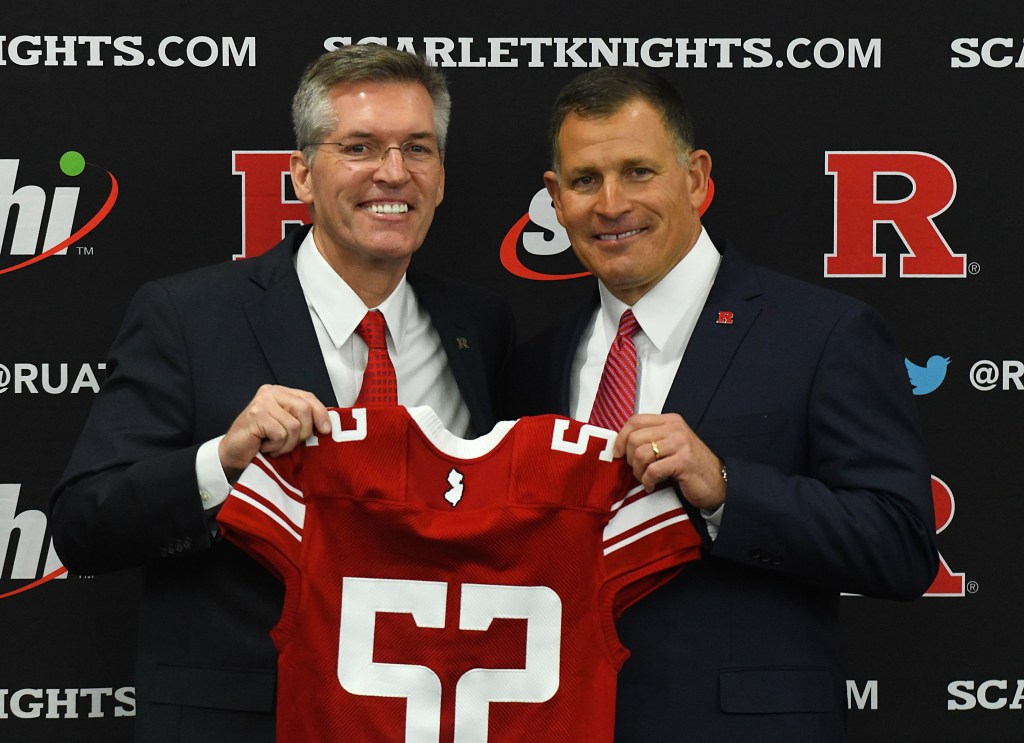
(657, 451)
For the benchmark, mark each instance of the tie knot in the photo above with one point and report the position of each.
(627, 325)
(373, 329)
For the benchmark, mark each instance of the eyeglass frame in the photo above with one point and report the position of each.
(435, 155)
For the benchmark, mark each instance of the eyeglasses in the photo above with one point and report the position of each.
(418, 156)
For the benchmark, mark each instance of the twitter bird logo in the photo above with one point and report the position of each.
(927, 378)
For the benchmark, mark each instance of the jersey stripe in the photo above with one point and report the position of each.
(640, 510)
(270, 512)
(631, 495)
(264, 483)
(645, 532)
(264, 464)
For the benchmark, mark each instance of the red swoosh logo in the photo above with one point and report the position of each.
(514, 266)
(509, 247)
(35, 584)
(85, 230)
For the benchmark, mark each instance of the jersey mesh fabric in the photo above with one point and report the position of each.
(442, 590)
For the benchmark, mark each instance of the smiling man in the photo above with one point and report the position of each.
(781, 412)
(213, 366)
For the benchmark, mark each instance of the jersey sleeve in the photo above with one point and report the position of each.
(646, 542)
(647, 536)
(265, 514)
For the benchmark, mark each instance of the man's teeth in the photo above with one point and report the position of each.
(388, 208)
(619, 236)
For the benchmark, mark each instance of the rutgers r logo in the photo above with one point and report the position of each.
(267, 209)
(946, 583)
(859, 208)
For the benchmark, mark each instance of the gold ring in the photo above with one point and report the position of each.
(657, 451)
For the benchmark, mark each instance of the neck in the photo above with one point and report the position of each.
(372, 280)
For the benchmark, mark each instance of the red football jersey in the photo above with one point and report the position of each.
(441, 589)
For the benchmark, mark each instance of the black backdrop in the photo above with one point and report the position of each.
(914, 108)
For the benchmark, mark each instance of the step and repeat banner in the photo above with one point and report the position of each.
(871, 148)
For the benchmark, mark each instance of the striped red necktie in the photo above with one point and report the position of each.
(616, 395)
(379, 385)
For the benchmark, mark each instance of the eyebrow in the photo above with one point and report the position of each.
(371, 135)
(632, 162)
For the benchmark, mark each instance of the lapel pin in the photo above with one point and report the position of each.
(724, 318)
(462, 343)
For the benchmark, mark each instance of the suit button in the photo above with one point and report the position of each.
(187, 543)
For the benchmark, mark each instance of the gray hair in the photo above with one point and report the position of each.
(313, 116)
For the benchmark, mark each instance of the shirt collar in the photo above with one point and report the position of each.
(660, 311)
(337, 305)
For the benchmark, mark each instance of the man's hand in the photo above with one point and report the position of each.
(274, 422)
(659, 447)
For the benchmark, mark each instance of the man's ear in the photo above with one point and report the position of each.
(700, 176)
(555, 192)
(301, 177)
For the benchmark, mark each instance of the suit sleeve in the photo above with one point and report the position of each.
(859, 517)
(129, 494)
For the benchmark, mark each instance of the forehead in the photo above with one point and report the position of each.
(382, 108)
(634, 130)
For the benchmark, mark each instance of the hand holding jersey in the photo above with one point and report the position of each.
(663, 447)
(276, 420)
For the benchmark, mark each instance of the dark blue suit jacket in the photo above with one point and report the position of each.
(191, 353)
(805, 397)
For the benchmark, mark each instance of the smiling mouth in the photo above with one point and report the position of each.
(396, 207)
(618, 235)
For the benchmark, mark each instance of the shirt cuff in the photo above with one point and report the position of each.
(713, 519)
(213, 483)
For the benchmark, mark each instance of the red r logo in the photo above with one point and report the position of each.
(858, 210)
(946, 583)
(265, 210)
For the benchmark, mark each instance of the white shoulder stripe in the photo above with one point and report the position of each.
(267, 464)
(260, 507)
(641, 510)
(277, 492)
(630, 494)
(641, 534)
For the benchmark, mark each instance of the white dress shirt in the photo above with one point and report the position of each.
(421, 365)
(667, 315)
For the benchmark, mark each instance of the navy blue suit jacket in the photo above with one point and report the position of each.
(804, 395)
(190, 355)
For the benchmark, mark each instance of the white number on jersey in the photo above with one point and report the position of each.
(363, 598)
(587, 431)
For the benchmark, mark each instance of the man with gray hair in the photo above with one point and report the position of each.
(215, 365)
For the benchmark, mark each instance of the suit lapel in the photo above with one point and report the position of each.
(716, 337)
(280, 321)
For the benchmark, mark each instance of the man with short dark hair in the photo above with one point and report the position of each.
(215, 365)
(780, 410)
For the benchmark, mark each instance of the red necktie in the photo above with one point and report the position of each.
(616, 395)
(379, 385)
